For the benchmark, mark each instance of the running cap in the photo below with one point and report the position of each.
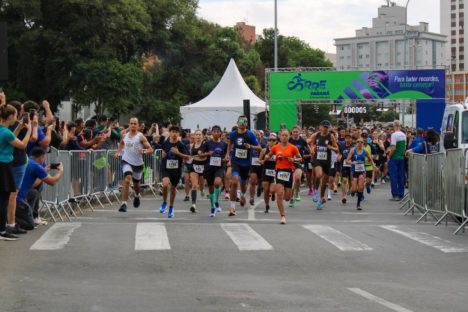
(325, 123)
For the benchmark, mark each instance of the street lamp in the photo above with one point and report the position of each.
(276, 35)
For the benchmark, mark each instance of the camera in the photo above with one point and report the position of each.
(54, 166)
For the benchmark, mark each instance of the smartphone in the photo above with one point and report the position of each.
(25, 118)
(32, 111)
(62, 125)
(54, 166)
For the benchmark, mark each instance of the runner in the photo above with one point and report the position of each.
(286, 155)
(242, 141)
(216, 150)
(196, 167)
(357, 158)
(173, 152)
(369, 168)
(269, 172)
(256, 171)
(135, 145)
(379, 147)
(345, 167)
(301, 145)
(187, 140)
(308, 162)
(324, 142)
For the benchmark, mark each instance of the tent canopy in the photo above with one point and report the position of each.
(224, 104)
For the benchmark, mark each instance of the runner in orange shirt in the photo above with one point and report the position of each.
(286, 154)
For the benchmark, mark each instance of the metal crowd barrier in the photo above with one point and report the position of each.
(437, 186)
(454, 188)
(91, 176)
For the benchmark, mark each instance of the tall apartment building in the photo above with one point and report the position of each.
(391, 43)
(452, 24)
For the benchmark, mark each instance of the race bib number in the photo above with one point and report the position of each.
(198, 168)
(270, 172)
(241, 153)
(309, 166)
(255, 161)
(359, 167)
(322, 155)
(284, 176)
(215, 161)
(172, 164)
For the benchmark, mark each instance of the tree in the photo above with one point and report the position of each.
(110, 85)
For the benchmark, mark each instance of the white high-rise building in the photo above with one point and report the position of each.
(452, 24)
(391, 44)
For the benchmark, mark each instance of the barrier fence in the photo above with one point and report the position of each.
(437, 186)
(91, 176)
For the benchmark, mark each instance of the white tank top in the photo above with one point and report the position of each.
(132, 150)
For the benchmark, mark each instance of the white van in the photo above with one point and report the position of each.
(454, 131)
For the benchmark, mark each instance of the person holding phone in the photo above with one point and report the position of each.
(8, 141)
(27, 214)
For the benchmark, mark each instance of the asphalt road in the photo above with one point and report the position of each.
(337, 259)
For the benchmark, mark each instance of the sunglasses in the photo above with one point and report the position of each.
(242, 120)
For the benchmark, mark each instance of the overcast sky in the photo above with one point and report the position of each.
(314, 21)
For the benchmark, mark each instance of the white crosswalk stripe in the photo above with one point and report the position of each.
(427, 239)
(245, 237)
(340, 240)
(151, 236)
(56, 237)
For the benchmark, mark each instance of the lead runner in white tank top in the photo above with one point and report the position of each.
(132, 149)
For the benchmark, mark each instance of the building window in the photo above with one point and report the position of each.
(360, 56)
(367, 56)
(454, 32)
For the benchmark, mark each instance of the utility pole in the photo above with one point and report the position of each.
(276, 35)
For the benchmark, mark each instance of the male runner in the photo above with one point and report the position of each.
(135, 145)
(302, 146)
(241, 143)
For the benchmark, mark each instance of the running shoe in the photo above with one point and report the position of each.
(310, 192)
(320, 205)
(343, 201)
(267, 208)
(8, 236)
(163, 208)
(242, 201)
(383, 181)
(170, 214)
(17, 230)
(123, 207)
(315, 197)
(187, 198)
(291, 203)
(283, 220)
(136, 201)
(193, 208)
(329, 197)
(377, 183)
(298, 198)
(212, 213)
(218, 208)
(232, 212)
(226, 196)
(358, 206)
(252, 202)
(368, 189)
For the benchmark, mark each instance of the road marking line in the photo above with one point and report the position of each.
(337, 238)
(151, 236)
(56, 237)
(245, 237)
(251, 211)
(427, 239)
(383, 302)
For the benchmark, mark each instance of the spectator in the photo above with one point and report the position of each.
(43, 140)
(27, 214)
(8, 141)
(396, 164)
(110, 131)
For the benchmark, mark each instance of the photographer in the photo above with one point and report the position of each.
(27, 212)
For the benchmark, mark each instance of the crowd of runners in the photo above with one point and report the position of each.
(245, 164)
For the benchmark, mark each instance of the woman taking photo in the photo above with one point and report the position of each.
(8, 141)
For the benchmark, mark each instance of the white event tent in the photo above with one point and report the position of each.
(224, 104)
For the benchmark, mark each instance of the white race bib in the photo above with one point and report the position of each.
(215, 161)
(198, 168)
(322, 155)
(359, 167)
(270, 172)
(172, 164)
(284, 176)
(255, 161)
(241, 153)
(309, 166)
